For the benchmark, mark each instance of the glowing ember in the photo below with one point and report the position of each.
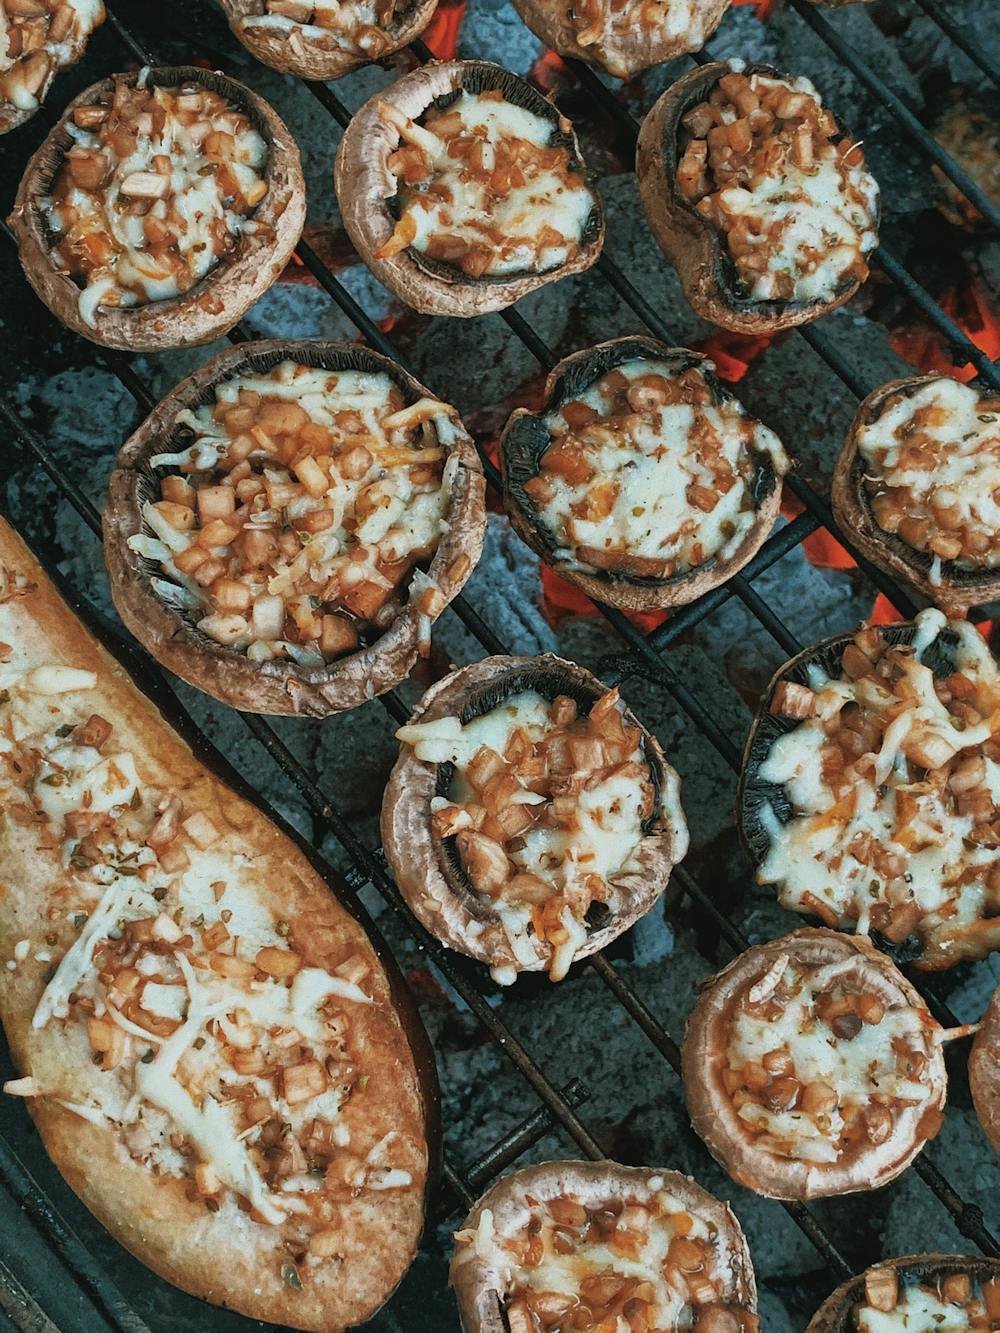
(441, 34)
(763, 9)
(548, 73)
(332, 248)
(922, 346)
(561, 599)
(733, 353)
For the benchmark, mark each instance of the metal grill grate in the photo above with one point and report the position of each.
(641, 655)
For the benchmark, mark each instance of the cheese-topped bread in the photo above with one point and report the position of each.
(211, 1047)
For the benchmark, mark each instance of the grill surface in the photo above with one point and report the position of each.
(59, 1269)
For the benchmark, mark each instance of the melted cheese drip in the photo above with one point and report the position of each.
(967, 450)
(410, 520)
(547, 198)
(814, 211)
(919, 1310)
(652, 469)
(195, 195)
(800, 851)
(854, 1069)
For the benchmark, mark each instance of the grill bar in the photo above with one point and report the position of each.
(644, 657)
(937, 13)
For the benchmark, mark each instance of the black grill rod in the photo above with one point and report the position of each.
(777, 546)
(959, 35)
(925, 303)
(324, 808)
(847, 55)
(78, 1259)
(117, 362)
(643, 1016)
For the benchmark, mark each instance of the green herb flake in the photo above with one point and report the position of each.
(148, 1057)
(65, 730)
(282, 928)
(290, 1277)
(80, 920)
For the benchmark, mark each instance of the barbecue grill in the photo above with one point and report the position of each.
(517, 1074)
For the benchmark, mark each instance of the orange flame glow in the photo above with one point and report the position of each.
(733, 353)
(763, 9)
(561, 599)
(548, 72)
(441, 34)
(926, 349)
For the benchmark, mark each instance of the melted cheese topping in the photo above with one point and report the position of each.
(798, 210)
(881, 840)
(219, 1056)
(34, 47)
(294, 520)
(932, 472)
(483, 187)
(586, 1263)
(356, 26)
(851, 1068)
(155, 192)
(644, 464)
(598, 21)
(541, 871)
(922, 1309)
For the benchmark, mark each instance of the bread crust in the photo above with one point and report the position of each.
(311, 59)
(364, 185)
(711, 1109)
(622, 55)
(454, 915)
(958, 588)
(280, 685)
(520, 455)
(479, 1286)
(694, 247)
(984, 1072)
(834, 1315)
(221, 298)
(222, 1257)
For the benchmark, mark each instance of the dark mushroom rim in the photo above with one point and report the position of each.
(958, 575)
(724, 270)
(180, 436)
(478, 76)
(754, 793)
(528, 439)
(548, 681)
(162, 76)
(909, 1272)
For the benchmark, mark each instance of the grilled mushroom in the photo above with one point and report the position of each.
(529, 819)
(984, 1072)
(812, 1067)
(623, 39)
(281, 447)
(935, 1289)
(629, 493)
(39, 40)
(718, 158)
(860, 741)
(474, 128)
(684, 1260)
(317, 39)
(178, 283)
(914, 487)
